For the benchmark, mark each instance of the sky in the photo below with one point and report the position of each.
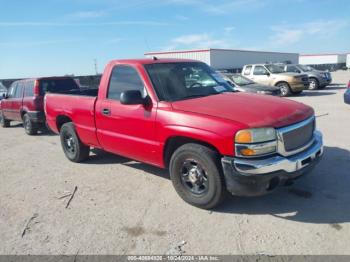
(58, 37)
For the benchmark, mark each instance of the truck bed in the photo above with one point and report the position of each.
(79, 107)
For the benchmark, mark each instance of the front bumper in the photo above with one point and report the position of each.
(299, 86)
(253, 177)
(325, 81)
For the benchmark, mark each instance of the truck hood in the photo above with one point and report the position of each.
(252, 110)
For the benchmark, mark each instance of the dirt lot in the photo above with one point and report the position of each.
(125, 207)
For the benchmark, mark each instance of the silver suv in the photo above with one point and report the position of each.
(318, 79)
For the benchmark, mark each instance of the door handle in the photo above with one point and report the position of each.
(106, 112)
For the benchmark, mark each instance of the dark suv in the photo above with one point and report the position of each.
(24, 101)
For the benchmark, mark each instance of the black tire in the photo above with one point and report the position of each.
(73, 148)
(285, 89)
(3, 121)
(29, 127)
(313, 83)
(196, 161)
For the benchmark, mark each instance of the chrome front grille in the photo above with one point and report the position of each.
(297, 137)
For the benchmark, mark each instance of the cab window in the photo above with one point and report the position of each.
(124, 78)
(259, 71)
(12, 90)
(247, 70)
(293, 69)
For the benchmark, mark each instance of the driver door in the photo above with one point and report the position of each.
(127, 130)
(261, 75)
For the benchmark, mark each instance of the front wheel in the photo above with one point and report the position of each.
(285, 89)
(197, 176)
(313, 84)
(73, 148)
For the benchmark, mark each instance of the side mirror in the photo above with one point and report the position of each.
(4, 96)
(268, 74)
(132, 97)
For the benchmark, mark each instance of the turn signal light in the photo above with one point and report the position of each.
(248, 152)
(244, 137)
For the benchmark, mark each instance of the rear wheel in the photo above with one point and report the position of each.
(29, 127)
(73, 148)
(285, 89)
(3, 121)
(313, 84)
(197, 176)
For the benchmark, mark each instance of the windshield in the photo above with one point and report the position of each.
(57, 85)
(306, 68)
(241, 80)
(185, 80)
(275, 69)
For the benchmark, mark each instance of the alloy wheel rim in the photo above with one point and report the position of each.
(194, 177)
(69, 143)
(312, 84)
(283, 90)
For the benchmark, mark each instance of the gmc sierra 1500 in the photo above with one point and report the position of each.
(181, 115)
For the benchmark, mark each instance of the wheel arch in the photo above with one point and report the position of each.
(282, 82)
(61, 120)
(174, 142)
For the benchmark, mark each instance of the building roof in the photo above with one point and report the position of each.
(329, 54)
(211, 49)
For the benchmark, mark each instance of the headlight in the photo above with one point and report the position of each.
(256, 142)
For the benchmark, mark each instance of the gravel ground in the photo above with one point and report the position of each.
(125, 207)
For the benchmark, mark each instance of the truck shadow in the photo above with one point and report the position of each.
(101, 157)
(315, 93)
(322, 197)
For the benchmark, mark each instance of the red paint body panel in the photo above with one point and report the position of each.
(141, 133)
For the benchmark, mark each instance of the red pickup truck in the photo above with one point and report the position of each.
(181, 115)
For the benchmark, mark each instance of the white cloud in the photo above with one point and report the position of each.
(63, 24)
(87, 14)
(287, 34)
(204, 40)
(181, 17)
(220, 6)
(38, 43)
(229, 29)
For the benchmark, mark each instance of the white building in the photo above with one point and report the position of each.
(322, 59)
(229, 58)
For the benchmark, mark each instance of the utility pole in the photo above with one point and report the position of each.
(96, 68)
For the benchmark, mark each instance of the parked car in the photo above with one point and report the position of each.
(24, 101)
(317, 79)
(3, 91)
(244, 84)
(181, 115)
(274, 75)
(347, 94)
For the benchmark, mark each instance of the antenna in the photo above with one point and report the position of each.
(96, 68)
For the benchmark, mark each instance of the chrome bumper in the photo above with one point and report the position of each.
(289, 164)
